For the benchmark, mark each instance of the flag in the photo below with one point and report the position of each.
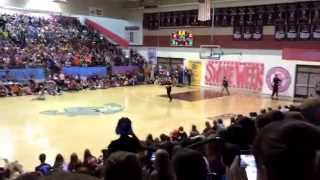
(204, 11)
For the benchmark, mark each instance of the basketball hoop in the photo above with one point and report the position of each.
(210, 52)
(214, 52)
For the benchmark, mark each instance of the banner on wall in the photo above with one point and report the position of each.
(86, 71)
(195, 67)
(152, 55)
(23, 74)
(240, 75)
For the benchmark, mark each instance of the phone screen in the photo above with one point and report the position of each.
(153, 157)
(248, 162)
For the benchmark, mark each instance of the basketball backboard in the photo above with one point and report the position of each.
(210, 52)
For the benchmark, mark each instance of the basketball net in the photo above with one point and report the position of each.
(204, 11)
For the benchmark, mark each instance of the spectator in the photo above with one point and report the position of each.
(287, 150)
(194, 131)
(310, 109)
(75, 164)
(123, 166)
(163, 167)
(215, 126)
(59, 164)
(208, 130)
(220, 125)
(181, 135)
(43, 168)
(232, 121)
(189, 165)
(150, 142)
(128, 141)
(89, 161)
(166, 144)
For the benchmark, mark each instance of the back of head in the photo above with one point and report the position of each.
(268, 118)
(287, 150)
(310, 109)
(123, 166)
(189, 165)
(163, 165)
(124, 126)
(42, 158)
(294, 115)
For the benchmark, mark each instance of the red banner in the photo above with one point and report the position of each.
(301, 54)
(240, 75)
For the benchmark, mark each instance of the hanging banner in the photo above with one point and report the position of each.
(152, 55)
(196, 70)
(240, 75)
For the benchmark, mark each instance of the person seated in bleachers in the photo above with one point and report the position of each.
(59, 164)
(90, 162)
(189, 165)
(123, 166)
(288, 150)
(163, 166)
(75, 164)
(3, 91)
(44, 168)
(194, 131)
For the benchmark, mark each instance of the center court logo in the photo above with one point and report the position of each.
(110, 108)
(283, 74)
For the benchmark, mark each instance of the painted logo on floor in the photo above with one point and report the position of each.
(223, 116)
(110, 108)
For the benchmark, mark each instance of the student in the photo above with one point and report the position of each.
(225, 86)
(276, 82)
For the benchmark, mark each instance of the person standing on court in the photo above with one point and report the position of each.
(169, 88)
(189, 76)
(276, 82)
(225, 86)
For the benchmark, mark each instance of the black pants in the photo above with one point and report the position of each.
(225, 88)
(189, 80)
(169, 93)
(275, 91)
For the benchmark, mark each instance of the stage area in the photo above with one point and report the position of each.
(75, 121)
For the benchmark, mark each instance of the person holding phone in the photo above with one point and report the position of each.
(127, 141)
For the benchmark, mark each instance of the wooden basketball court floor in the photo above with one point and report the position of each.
(29, 127)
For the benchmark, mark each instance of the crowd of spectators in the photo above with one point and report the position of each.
(284, 141)
(58, 83)
(55, 41)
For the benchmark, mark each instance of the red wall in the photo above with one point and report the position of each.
(226, 41)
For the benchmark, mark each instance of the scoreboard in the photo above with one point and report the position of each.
(181, 39)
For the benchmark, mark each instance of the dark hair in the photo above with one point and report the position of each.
(42, 158)
(163, 165)
(311, 110)
(287, 150)
(189, 165)
(124, 126)
(74, 163)
(123, 166)
(230, 151)
(58, 161)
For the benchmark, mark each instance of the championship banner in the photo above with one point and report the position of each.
(196, 69)
(240, 75)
